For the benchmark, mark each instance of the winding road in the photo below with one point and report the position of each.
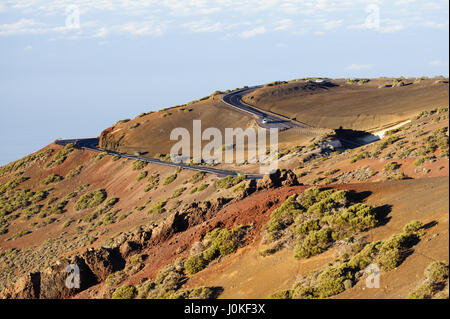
(234, 101)
(91, 144)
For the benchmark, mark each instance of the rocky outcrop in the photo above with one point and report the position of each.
(103, 261)
(27, 287)
(277, 179)
(67, 278)
(194, 214)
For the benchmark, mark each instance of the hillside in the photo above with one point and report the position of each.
(352, 104)
(139, 230)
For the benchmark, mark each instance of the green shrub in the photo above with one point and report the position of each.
(170, 179)
(419, 161)
(138, 165)
(436, 271)
(229, 181)
(153, 182)
(436, 278)
(178, 192)
(52, 178)
(194, 264)
(91, 199)
(136, 259)
(124, 292)
(158, 207)
(61, 155)
(332, 281)
(391, 166)
(141, 176)
(27, 160)
(316, 242)
(20, 234)
(74, 172)
(219, 242)
(115, 158)
(196, 177)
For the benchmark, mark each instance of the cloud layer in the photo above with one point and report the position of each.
(235, 18)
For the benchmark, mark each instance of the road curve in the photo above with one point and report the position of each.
(91, 144)
(234, 100)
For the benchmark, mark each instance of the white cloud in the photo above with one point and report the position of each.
(283, 24)
(436, 63)
(390, 25)
(203, 16)
(21, 27)
(252, 32)
(203, 26)
(28, 48)
(149, 27)
(101, 33)
(331, 25)
(386, 26)
(357, 67)
(435, 25)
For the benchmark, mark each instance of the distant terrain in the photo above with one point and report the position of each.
(309, 230)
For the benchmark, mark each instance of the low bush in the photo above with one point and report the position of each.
(158, 207)
(138, 165)
(74, 172)
(229, 181)
(91, 199)
(61, 155)
(141, 176)
(170, 179)
(219, 242)
(124, 292)
(315, 219)
(153, 182)
(52, 178)
(436, 279)
(346, 271)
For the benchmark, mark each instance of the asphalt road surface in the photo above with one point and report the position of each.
(91, 144)
(265, 120)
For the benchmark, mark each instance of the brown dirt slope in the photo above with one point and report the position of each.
(249, 275)
(350, 105)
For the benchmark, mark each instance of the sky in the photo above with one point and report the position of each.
(71, 68)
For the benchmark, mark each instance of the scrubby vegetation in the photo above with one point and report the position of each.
(352, 265)
(104, 211)
(74, 172)
(13, 200)
(200, 188)
(91, 199)
(219, 242)
(24, 162)
(138, 165)
(141, 176)
(196, 178)
(153, 182)
(169, 179)
(61, 155)
(314, 220)
(229, 181)
(435, 285)
(167, 285)
(52, 178)
(178, 192)
(158, 207)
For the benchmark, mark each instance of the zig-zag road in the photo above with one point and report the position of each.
(91, 144)
(264, 120)
(232, 100)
